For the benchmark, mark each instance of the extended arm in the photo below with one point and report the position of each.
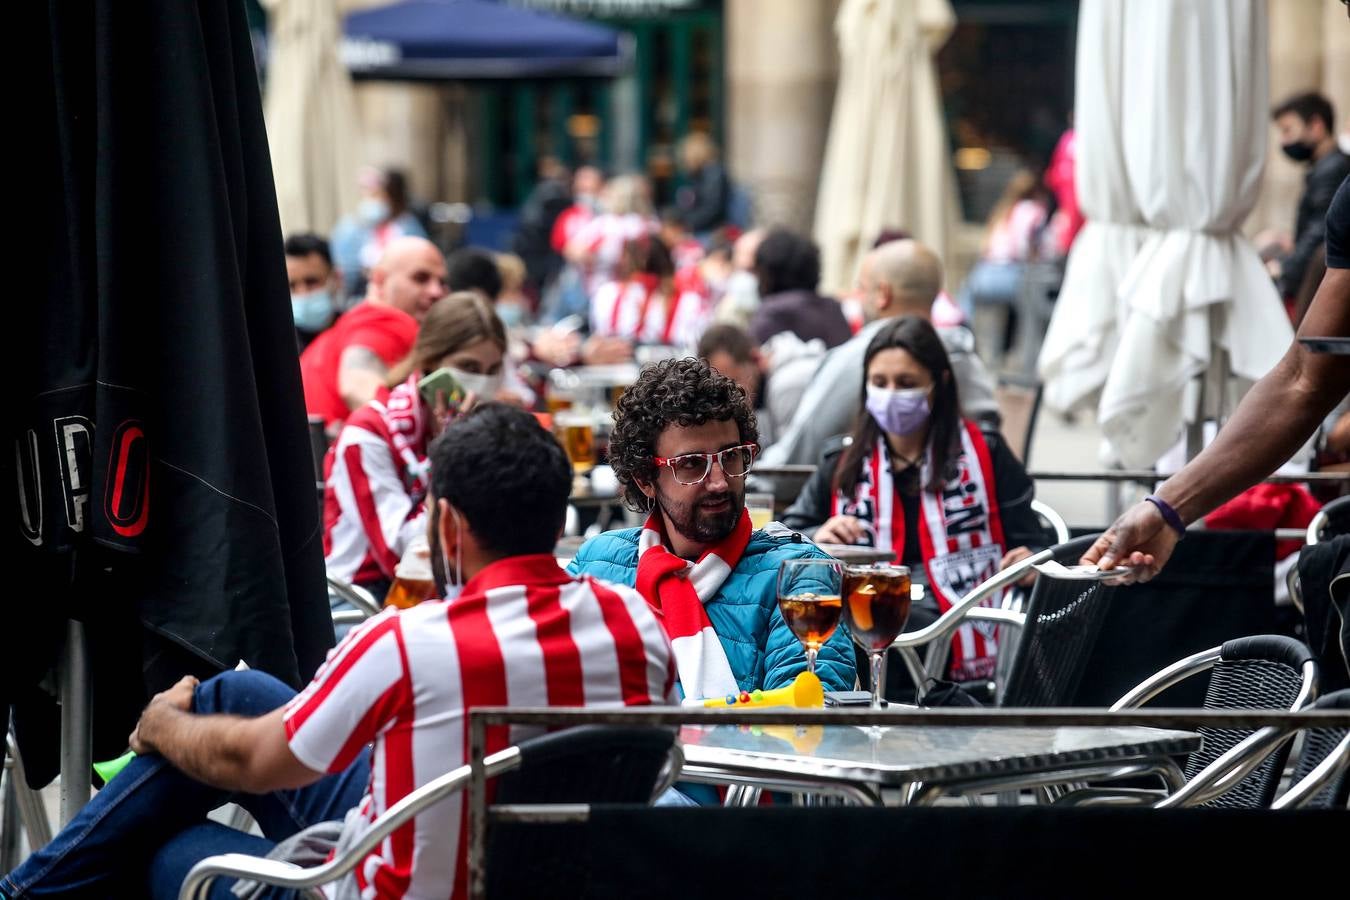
(361, 374)
(1275, 418)
(231, 752)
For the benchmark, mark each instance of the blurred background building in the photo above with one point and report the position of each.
(759, 77)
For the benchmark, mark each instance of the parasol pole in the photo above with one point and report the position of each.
(76, 722)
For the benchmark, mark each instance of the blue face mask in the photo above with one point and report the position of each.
(898, 412)
(313, 312)
(372, 211)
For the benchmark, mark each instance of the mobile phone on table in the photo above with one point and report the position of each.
(443, 382)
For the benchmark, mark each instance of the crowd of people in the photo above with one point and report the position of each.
(428, 374)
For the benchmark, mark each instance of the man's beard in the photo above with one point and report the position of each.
(695, 523)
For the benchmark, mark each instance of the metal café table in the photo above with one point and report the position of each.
(917, 764)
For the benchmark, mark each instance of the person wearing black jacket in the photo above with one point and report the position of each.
(1307, 127)
(951, 501)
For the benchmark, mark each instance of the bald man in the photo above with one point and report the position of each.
(899, 278)
(347, 365)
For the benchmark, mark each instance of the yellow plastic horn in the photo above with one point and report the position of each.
(804, 692)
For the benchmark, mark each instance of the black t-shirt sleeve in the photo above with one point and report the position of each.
(1338, 228)
(1015, 491)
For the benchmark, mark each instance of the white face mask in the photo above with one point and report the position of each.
(451, 581)
(484, 387)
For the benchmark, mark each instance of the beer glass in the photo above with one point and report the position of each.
(876, 607)
(808, 598)
(760, 507)
(413, 581)
(576, 431)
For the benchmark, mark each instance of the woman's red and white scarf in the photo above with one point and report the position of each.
(408, 421)
(677, 590)
(960, 536)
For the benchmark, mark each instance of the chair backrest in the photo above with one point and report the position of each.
(1063, 619)
(1019, 404)
(1318, 743)
(1331, 520)
(1262, 672)
(586, 764)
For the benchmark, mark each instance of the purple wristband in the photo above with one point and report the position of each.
(1169, 514)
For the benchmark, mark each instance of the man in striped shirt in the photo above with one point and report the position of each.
(387, 712)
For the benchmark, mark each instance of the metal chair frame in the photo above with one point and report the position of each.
(20, 805)
(278, 873)
(1225, 772)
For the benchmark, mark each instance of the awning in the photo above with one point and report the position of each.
(459, 39)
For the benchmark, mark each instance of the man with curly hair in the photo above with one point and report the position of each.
(684, 438)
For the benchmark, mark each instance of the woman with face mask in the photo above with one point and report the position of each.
(947, 500)
(375, 475)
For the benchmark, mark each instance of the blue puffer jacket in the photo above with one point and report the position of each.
(761, 648)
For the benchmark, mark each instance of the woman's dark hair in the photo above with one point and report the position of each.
(395, 185)
(917, 337)
(671, 392)
(508, 477)
(786, 261)
(646, 255)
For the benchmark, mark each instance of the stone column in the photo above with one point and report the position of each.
(781, 66)
(401, 126)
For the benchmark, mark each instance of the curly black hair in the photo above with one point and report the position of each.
(508, 476)
(671, 392)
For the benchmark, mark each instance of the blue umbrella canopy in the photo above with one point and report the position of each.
(456, 39)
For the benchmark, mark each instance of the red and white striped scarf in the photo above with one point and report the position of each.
(408, 420)
(677, 590)
(960, 536)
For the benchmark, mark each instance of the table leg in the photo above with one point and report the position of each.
(76, 723)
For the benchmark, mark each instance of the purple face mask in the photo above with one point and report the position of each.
(898, 412)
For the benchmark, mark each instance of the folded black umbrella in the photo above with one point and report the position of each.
(160, 475)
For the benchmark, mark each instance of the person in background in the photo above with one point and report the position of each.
(1307, 127)
(684, 439)
(473, 269)
(388, 712)
(315, 285)
(1015, 234)
(546, 202)
(703, 200)
(513, 304)
(1059, 178)
(375, 475)
(641, 305)
(382, 217)
(729, 350)
(626, 214)
(567, 295)
(740, 296)
(917, 480)
(901, 278)
(346, 366)
(685, 250)
(788, 268)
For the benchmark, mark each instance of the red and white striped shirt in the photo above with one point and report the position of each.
(523, 633)
(375, 483)
(642, 310)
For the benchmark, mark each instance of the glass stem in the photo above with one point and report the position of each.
(876, 658)
(811, 659)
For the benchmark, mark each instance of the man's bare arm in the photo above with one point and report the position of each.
(361, 374)
(230, 752)
(1277, 416)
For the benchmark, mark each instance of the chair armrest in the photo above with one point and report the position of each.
(951, 619)
(356, 595)
(1110, 797)
(282, 874)
(1163, 679)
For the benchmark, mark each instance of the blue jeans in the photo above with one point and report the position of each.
(142, 833)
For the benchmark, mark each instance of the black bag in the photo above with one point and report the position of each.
(947, 693)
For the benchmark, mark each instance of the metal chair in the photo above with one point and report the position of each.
(20, 806)
(570, 769)
(364, 601)
(1321, 777)
(1334, 518)
(1232, 769)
